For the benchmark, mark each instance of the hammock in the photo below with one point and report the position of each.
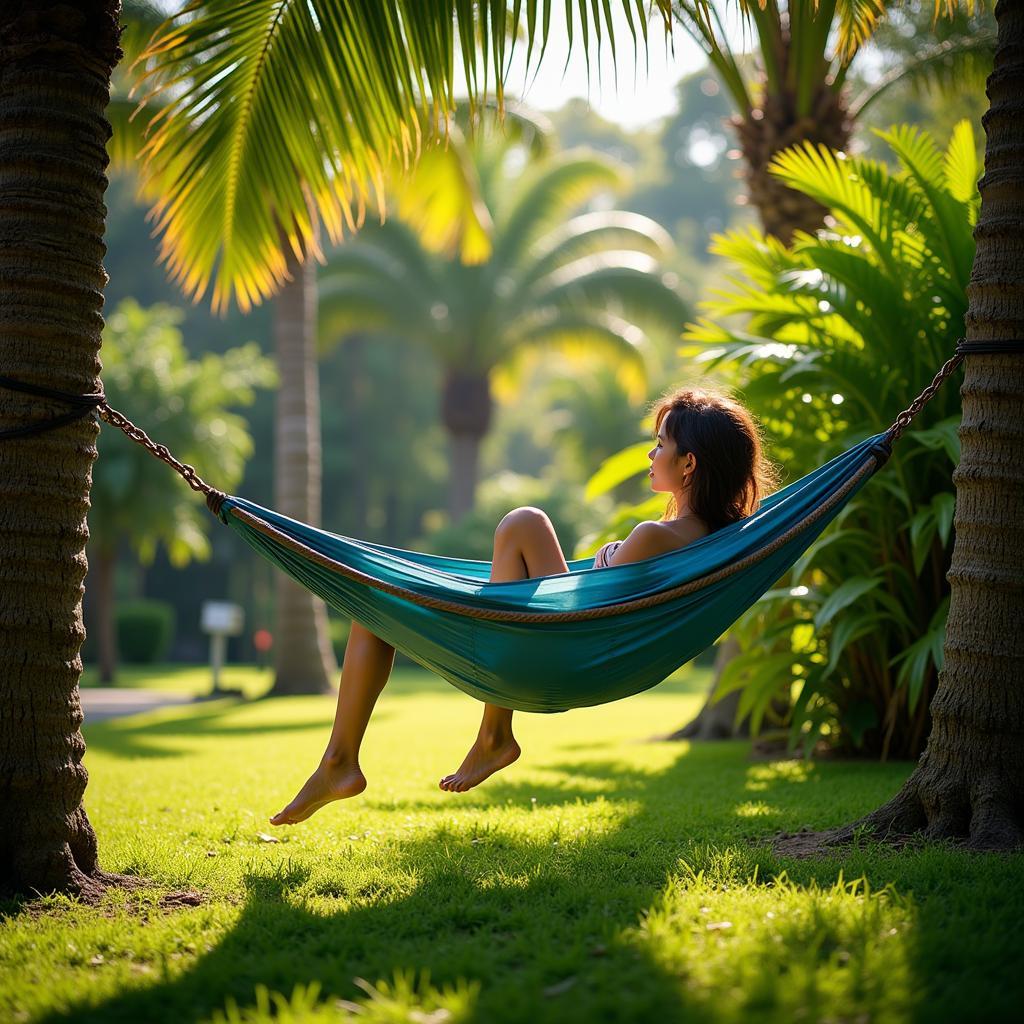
(552, 643)
(547, 643)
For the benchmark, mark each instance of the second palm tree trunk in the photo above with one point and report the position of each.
(303, 661)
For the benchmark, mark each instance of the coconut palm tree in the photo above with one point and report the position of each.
(551, 282)
(968, 783)
(796, 90)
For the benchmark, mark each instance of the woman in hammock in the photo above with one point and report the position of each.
(707, 456)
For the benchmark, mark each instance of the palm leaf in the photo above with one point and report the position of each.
(857, 21)
(544, 198)
(963, 62)
(617, 469)
(358, 304)
(921, 157)
(960, 166)
(583, 335)
(627, 280)
(598, 231)
(278, 112)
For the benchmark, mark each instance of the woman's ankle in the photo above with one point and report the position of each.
(339, 757)
(495, 738)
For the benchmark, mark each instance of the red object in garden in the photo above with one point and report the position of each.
(262, 640)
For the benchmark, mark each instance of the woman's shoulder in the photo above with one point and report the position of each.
(685, 530)
(652, 538)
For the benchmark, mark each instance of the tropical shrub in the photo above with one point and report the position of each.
(837, 334)
(473, 535)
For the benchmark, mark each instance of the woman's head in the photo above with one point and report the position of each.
(709, 447)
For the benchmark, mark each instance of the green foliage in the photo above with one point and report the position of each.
(599, 879)
(580, 284)
(184, 404)
(841, 331)
(145, 630)
(473, 535)
(281, 113)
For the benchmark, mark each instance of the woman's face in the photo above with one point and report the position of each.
(667, 467)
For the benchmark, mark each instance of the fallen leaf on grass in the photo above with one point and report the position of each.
(560, 986)
(263, 837)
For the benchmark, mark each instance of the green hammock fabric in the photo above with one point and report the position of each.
(558, 642)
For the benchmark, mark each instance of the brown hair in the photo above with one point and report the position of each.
(732, 473)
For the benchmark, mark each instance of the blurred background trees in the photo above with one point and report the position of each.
(137, 506)
(553, 417)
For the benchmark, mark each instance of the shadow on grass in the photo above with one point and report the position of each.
(547, 925)
(125, 738)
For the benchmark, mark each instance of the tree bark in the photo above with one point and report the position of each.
(765, 131)
(969, 782)
(104, 575)
(466, 411)
(716, 720)
(55, 66)
(303, 659)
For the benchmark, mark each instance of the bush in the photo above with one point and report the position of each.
(473, 537)
(835, 334)
(145, 630)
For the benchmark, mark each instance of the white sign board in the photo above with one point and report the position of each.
(221, 617)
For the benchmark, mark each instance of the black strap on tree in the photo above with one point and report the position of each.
(82, 405)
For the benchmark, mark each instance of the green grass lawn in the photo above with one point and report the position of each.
(195, 680)
(601, 878)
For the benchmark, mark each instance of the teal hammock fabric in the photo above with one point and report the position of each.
(617, 648)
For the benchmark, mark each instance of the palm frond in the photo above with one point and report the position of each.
(544, 197)
(857, 20)
(924, 163)
(960, 166)
(279, 112)
(585, 335)
(350, 304)
(964, 62)
(595, 232)
(626, 281)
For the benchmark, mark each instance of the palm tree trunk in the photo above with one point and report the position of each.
(774, 126)
(104, 574)
(762, 133)
(969, 782)
(466, 410)
(55, 66)
(716, 720)
(304, 660)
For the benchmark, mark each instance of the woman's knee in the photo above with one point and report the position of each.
(520, 520)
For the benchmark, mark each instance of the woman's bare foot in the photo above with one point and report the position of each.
(329, 782)
(483, 760)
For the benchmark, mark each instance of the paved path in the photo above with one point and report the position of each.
(99, 702)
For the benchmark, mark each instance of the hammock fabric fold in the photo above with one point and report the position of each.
(557, 642)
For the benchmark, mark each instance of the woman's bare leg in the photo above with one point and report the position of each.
(364, 673)
(524, 545)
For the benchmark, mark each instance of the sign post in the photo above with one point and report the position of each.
(220, 619)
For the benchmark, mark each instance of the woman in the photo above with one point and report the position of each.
(707, 456)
